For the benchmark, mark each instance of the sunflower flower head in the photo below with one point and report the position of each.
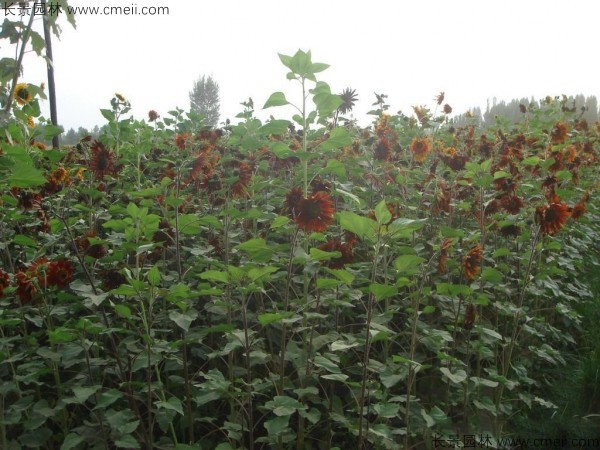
(472, 262)
(60, 273)
(349, 99)
(558, 135)
(419, 147)
(102, 161)
(292, 202)
(315, 213)
(552, 217)
(23, 94)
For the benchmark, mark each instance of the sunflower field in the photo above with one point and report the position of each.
(297, 283)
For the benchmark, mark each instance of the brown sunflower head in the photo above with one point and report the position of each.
(558, 135)
(349, 99)
(292, 202)
(446, 244)
(382, 150)
(315, 213)
(472, 262)
(243, 176)
(60, 273)
(152, 115)
(552, 217)
(512, 203)
(102, 161)
(470, 316)
(26, 289)
(419, 147)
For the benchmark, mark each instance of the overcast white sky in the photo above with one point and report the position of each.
(410, 50)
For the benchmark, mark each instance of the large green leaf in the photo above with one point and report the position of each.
(26, 176)
(276, 99)
(363, 227)
(338, 138)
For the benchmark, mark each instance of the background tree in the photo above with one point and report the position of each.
(204, 99)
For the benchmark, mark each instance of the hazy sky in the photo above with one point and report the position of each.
(410, 50)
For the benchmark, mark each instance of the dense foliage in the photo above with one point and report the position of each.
(300, 283)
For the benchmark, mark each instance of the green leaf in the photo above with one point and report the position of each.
(491, 275)
(325, 101)
(173, 404)
(19, 239)
(123, 311)
(108, 114)
(127, 441)
(278, 425)
(335, 167)
(185, 319)
(279, 222)
(276, 99)
(215, 275)
(107, 398)
(457, 377)
(363, 227)
(335, 377)
(327, 364)
(275, 127)
(408, 264)
(321, 255)
(382, 291)
(282, 405)
(382, 213)
(404, 228)
(61, 335)
(338, 138)
(257, 249)
(26, 176)
(82, 393)
(153, 276)
(268, 318)
(71, 441)
(342, 274)
(327, 283)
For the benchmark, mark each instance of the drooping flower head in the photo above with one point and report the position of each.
(292, 202)
(152, 115)
(446, 244)
(579, 209)
(558, 135)
(552, 217)
(315, 213)
(419, 148)
(472, 262)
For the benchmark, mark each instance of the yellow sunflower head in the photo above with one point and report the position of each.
(23, 94)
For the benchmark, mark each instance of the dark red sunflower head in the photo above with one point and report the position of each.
(315, 213)
(102, 160)
(552, 217)
(60, 273)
